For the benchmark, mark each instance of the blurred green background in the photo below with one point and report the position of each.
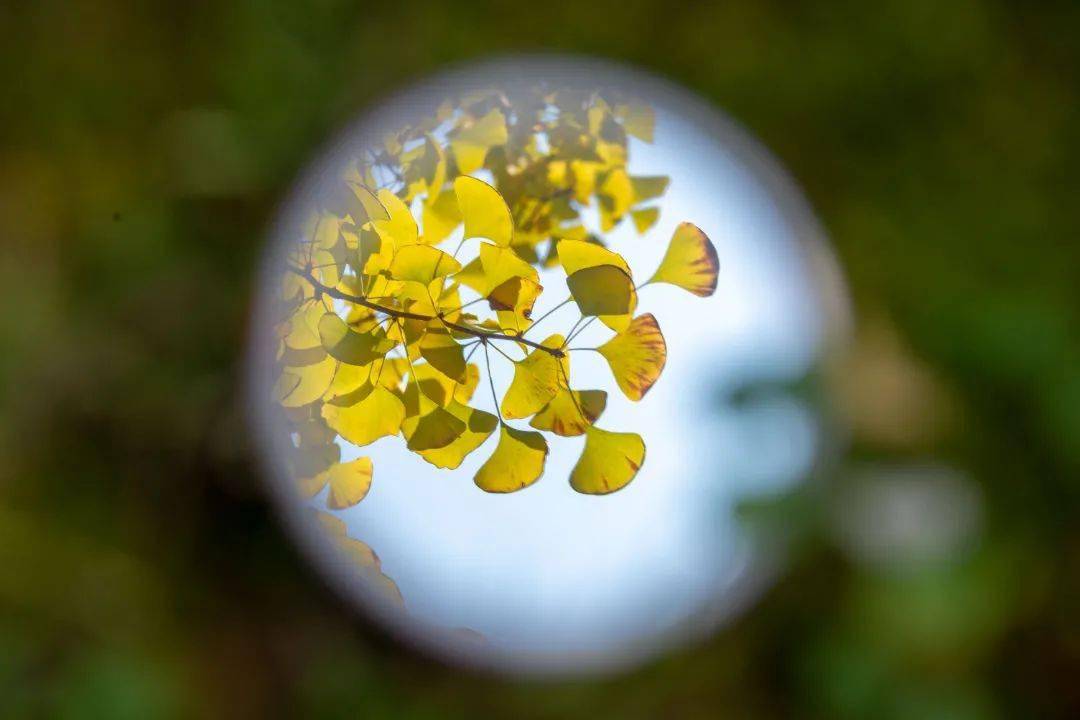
(143, 149)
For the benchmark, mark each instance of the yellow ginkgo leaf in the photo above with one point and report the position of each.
(577, 255)
(434, 430)
(618, 192)
(499, 265)
(389, 372)
(304, 327)
(349, 346)
(636, 356)
(569, 414)
(472, 276)
(518, 461)
(484, 211)
(315, 380)
(584, 173)
(478, 426)
(349, 483)
(518, 294)
(372, 413)
(440, 217)
(400, 228)
(644, 218)
(608, 463)
(422, 264)
(602, 290)
(286, 383)
(347, 379)
(443, 352)
(536, 381)
(472, 143)
(370, 209)
(639, 120)
(327, 232)
(690, 262)
(648, 187)
(437, 387)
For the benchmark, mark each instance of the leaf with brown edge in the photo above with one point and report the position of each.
(608, 463)
(569, 414)
(536, 381)
(349, 483)
(478, 427)
(690, 262)
(484, 211)
(636, 356)
(518, 461)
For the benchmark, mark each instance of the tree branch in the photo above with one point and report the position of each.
(405, 314)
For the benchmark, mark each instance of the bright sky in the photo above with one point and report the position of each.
(547, 570)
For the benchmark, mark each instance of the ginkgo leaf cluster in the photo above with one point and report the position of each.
(422, 266)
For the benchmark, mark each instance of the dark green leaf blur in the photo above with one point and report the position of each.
(143, 149)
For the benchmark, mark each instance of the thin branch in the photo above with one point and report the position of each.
(580, 330)
(405, 314)
(491, 382)
(541, 318)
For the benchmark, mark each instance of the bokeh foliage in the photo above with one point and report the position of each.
(144, 147)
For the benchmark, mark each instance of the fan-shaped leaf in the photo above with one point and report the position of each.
(372, 413)
(349, 346)
(577, 255)
(478, 426)
(484, 211)
(645, 218)
(518, 461)
(536, 381)
(422, 264)
(636, 356)
(400, 228)
(690, 262)
(349, 483)
(443, 353)
(602, 290)
(570, 414)
(470, 146)
(499, 265)
(608, 463)
(314, 381)
(440, 217)
(436, 429)
(369, 208)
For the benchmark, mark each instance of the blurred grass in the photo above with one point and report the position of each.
(144, 147)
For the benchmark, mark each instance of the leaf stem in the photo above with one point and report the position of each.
(541, 318)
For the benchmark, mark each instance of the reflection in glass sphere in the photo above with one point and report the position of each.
(527, 337)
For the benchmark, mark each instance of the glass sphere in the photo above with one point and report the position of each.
(528, 336)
